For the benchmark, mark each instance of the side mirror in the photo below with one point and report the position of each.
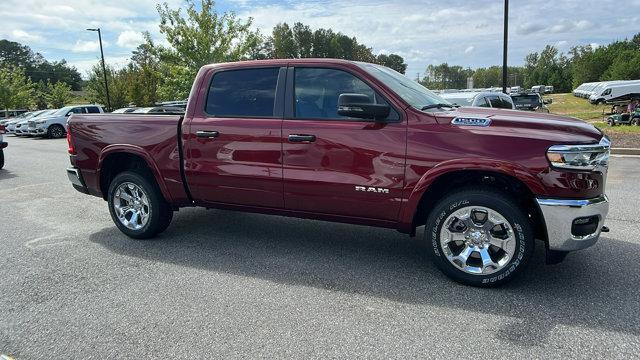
(362, 107)
(69, 113)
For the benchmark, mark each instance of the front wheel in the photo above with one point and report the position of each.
(635, 121)
(137, 206)
(611, 122)
(1, 159)
(479, 237)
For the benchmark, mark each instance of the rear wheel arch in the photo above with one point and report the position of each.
(113, 163)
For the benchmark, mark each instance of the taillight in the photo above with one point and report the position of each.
(2, 129)
(72, 149)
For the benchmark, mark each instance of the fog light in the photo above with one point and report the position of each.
(584, 226)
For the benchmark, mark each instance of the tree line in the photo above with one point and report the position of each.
(203, 36)
(619, 60)
(28, 80)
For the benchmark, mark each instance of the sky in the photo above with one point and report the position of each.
(459, 32)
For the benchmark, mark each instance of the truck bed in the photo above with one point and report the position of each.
(151, 137)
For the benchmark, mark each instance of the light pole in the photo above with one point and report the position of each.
(104, 70)
(504, 46)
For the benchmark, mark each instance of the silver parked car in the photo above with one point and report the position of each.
(480, 99)
(55, 125)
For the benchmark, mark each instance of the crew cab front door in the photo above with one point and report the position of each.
(337, 165)
(234, 140)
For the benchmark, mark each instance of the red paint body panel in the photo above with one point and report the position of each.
(152, 137)
(321, 176)
(252, 166)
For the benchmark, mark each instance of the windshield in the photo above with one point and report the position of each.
(410, 91)
(528, 100)
(45, 113)
(462, 101)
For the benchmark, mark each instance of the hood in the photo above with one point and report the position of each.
(533, 125)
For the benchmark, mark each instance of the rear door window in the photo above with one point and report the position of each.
(92, 110)
(243, 93)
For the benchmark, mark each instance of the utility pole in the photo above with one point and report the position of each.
(504, 46)
(104, 69)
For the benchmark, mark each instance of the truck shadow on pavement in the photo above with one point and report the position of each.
(6, 174)
(596, 288)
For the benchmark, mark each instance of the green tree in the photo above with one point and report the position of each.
(16, 89)
(117, 87)
(625, 66)
(58, 94)
(284, 44)
(303, 37)
(36, 67)
(144, 74)
(204, 36)
(396, 62)
(201, 37)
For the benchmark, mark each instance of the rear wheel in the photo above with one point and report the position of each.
(635, 121)
(479, 237)
(1, 159)
(55, 131)
(611, 122)
(137, 206)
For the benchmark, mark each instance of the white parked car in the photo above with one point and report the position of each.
(55, 125)
(480, 99)
(11, 125)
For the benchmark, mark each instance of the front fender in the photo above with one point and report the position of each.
(477, 164)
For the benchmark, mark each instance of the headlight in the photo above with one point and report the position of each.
(41, 121)
(580, 157)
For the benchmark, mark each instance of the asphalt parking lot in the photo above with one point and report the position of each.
(233, 285)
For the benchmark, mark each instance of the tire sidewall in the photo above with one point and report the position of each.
(151, 228)
(517, 220)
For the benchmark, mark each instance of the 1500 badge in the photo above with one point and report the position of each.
(372, 189)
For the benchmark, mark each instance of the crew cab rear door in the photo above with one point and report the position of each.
(233, 144)
(337, 165)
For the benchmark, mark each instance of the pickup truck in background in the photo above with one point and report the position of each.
(358, 143)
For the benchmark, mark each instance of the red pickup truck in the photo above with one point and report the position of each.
(357, 143)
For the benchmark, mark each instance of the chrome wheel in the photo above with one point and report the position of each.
(131, 205)
(477, 240)
(57, 131)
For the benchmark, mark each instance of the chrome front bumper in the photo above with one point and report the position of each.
(559, 215)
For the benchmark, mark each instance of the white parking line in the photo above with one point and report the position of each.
(625, 156)
(41, 242)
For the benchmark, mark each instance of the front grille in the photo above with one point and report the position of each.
(32, 124)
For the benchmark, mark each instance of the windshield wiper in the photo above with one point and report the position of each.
(439, 106)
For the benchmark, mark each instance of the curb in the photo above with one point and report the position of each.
(625, 151)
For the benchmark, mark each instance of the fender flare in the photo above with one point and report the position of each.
(519, 172)
(138, 151)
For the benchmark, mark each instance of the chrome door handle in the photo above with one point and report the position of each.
(207, 134)
(302, 138)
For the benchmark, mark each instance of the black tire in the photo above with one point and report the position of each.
(611, 122)
(1, 159)
(495, 201)
(56, 131)
(635, 121)
(159, 212)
